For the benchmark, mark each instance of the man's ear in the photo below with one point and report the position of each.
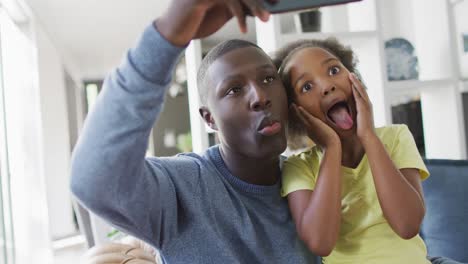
(207, 117)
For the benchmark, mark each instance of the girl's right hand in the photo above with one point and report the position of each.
(322, 134)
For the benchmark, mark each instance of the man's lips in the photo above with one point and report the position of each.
(269, 127)
(271, 130)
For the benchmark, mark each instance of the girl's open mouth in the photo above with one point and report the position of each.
(340, 115)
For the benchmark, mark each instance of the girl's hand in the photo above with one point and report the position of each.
(364, 118)
(322, 134)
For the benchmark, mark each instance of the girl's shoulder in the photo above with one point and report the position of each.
(309, 155)
(395, 136)
(390, 132)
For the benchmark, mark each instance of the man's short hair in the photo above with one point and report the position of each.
(215, 53)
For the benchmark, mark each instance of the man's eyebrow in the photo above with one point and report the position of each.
(236, 76)
(266, 66)
(229, 78)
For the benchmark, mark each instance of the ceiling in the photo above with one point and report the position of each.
(94, 35)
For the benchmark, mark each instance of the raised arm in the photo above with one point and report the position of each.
(110, 175)
(317, 213)
(399, 190)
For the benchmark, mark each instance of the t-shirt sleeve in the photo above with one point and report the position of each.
(405, 154)
(297, 174)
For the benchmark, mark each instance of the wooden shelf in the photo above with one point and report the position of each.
(464, 87)
(287, 38)
(410, 86)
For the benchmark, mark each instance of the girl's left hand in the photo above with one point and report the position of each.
(364, 117)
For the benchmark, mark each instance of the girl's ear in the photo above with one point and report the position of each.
(208, 117)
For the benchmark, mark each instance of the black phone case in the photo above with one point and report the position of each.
(283, 6)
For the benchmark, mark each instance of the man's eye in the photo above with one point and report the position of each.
(234, 90)
(334, 70)
(306, 87)
(269, 79)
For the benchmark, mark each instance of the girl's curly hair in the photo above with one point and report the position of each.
(296, 131)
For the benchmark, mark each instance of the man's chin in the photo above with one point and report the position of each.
(272, 148)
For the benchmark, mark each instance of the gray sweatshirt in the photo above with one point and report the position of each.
(189, 206)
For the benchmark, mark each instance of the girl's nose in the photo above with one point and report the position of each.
(328, 89)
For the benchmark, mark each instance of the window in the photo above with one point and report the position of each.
(23, 192)
(6, 228)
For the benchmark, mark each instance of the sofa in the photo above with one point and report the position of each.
(125, 251)
(445, 225)
(444, 229)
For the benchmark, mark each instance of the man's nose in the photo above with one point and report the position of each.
(260, 98)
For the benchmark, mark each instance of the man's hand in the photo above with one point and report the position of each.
(322, 134)
(190, 19)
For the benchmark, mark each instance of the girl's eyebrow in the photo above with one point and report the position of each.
(298, 79)
(323, 63)
(328, 60)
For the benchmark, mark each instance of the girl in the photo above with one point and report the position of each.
(356, 196)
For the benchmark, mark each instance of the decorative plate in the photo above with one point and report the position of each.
(402, 63)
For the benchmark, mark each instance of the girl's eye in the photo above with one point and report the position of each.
(306, 87)
(334, 70)
(234, 90)
(269, 79)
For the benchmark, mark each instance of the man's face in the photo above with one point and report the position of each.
(247, 103)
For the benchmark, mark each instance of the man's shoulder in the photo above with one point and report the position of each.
(183, 166)
(181, 161)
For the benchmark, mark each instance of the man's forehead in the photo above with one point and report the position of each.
(239, 61)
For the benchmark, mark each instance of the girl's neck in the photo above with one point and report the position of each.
(352, 151)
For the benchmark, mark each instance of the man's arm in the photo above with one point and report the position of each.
(110, 175)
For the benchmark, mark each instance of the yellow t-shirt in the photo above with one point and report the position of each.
(365, 235)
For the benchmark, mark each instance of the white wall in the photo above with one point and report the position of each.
(55, 135)
(432, 42)
(461, 10)
(443, 125)
(402, 27)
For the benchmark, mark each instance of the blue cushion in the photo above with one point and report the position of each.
(445, 226)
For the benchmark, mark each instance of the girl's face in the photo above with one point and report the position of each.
(321, 85)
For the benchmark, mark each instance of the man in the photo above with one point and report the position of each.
(222, 206)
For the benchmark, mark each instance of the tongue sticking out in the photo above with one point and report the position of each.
(339, 114)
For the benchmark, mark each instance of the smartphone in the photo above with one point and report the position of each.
(283, 6)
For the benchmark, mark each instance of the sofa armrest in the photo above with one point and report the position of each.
(129, 251)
